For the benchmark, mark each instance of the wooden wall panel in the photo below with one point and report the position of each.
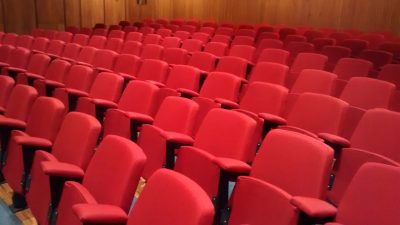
(1, 17)
(365, 15)
(19, 16)
(50, 14)
(92, 12)
(114, 11)
(72, 13)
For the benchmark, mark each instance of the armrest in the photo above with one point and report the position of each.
(334, 141)
(187, 92)
(300, 130)
(101, 69)
(33, 141)
(274, 119)
(233, 165)
(53, 83)
(313, 207)
(59, 169)
(16, 69)
(104, 103)
(227, 104)
(248, 113)
(158, 84)
(137, 116)
(76, 92)
(178, 138)
(127, 76)
(34, 75)
(12, 123)
(99, 214)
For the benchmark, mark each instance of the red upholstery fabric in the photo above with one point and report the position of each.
(315, 81)
(288, 152)
(203, 60)
(180, 200)
(233, 65)
(269, 72)
(73, 148)
(214, 139)
(117, 161)
(43, 122)
(173, 122)
(257, 202)
(152, 69)
(373, 189)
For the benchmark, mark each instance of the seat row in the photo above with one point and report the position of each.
(224, 153)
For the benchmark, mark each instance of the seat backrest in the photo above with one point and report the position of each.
(356, 45)
(132, 48)
(79, 77)
(378, 132)
(216, 48)
(81, 39)
(203, 60)
(20, 102)
(114, 44)
(183, 76)
(6, 85)
(351, 67)
(126, 64)
(163, 32)
(107, 86)
(152, 51)
(285, 31)
(139, 96)
(228, 31)
(334, 53)
(76, 140)
(45, 118)
(204, 37)
(378, 57)
(176, 114)
(226, 133)
(10, 39)
(373, 189)
(224, 39)
(116, 34)
(390, 73)
(242, 40)
(274, 55)
(152, 39)
(183, 35)
(296, 47)
(315, 81)
(363, 92)
(308, 61)
(192, 45)
(234, 65)
(243, 51)
(221, 85)
(134, 36)
(153, 69)
(71, 51)
(320, 43)
(269, 72)
(317, 113)
(296, 163)
(263, 97)
(57, 70)
(38, 64)
(97, 41)
(5, 52)
(171, 42)
(104, 59)
(24, 41)
(56, 47)
(118, 162)
(86, 55)
(176, 56)
(19, 57)
(99, 32)
(294, 37)
(339, 36)
(64, 36)
(180, 201)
